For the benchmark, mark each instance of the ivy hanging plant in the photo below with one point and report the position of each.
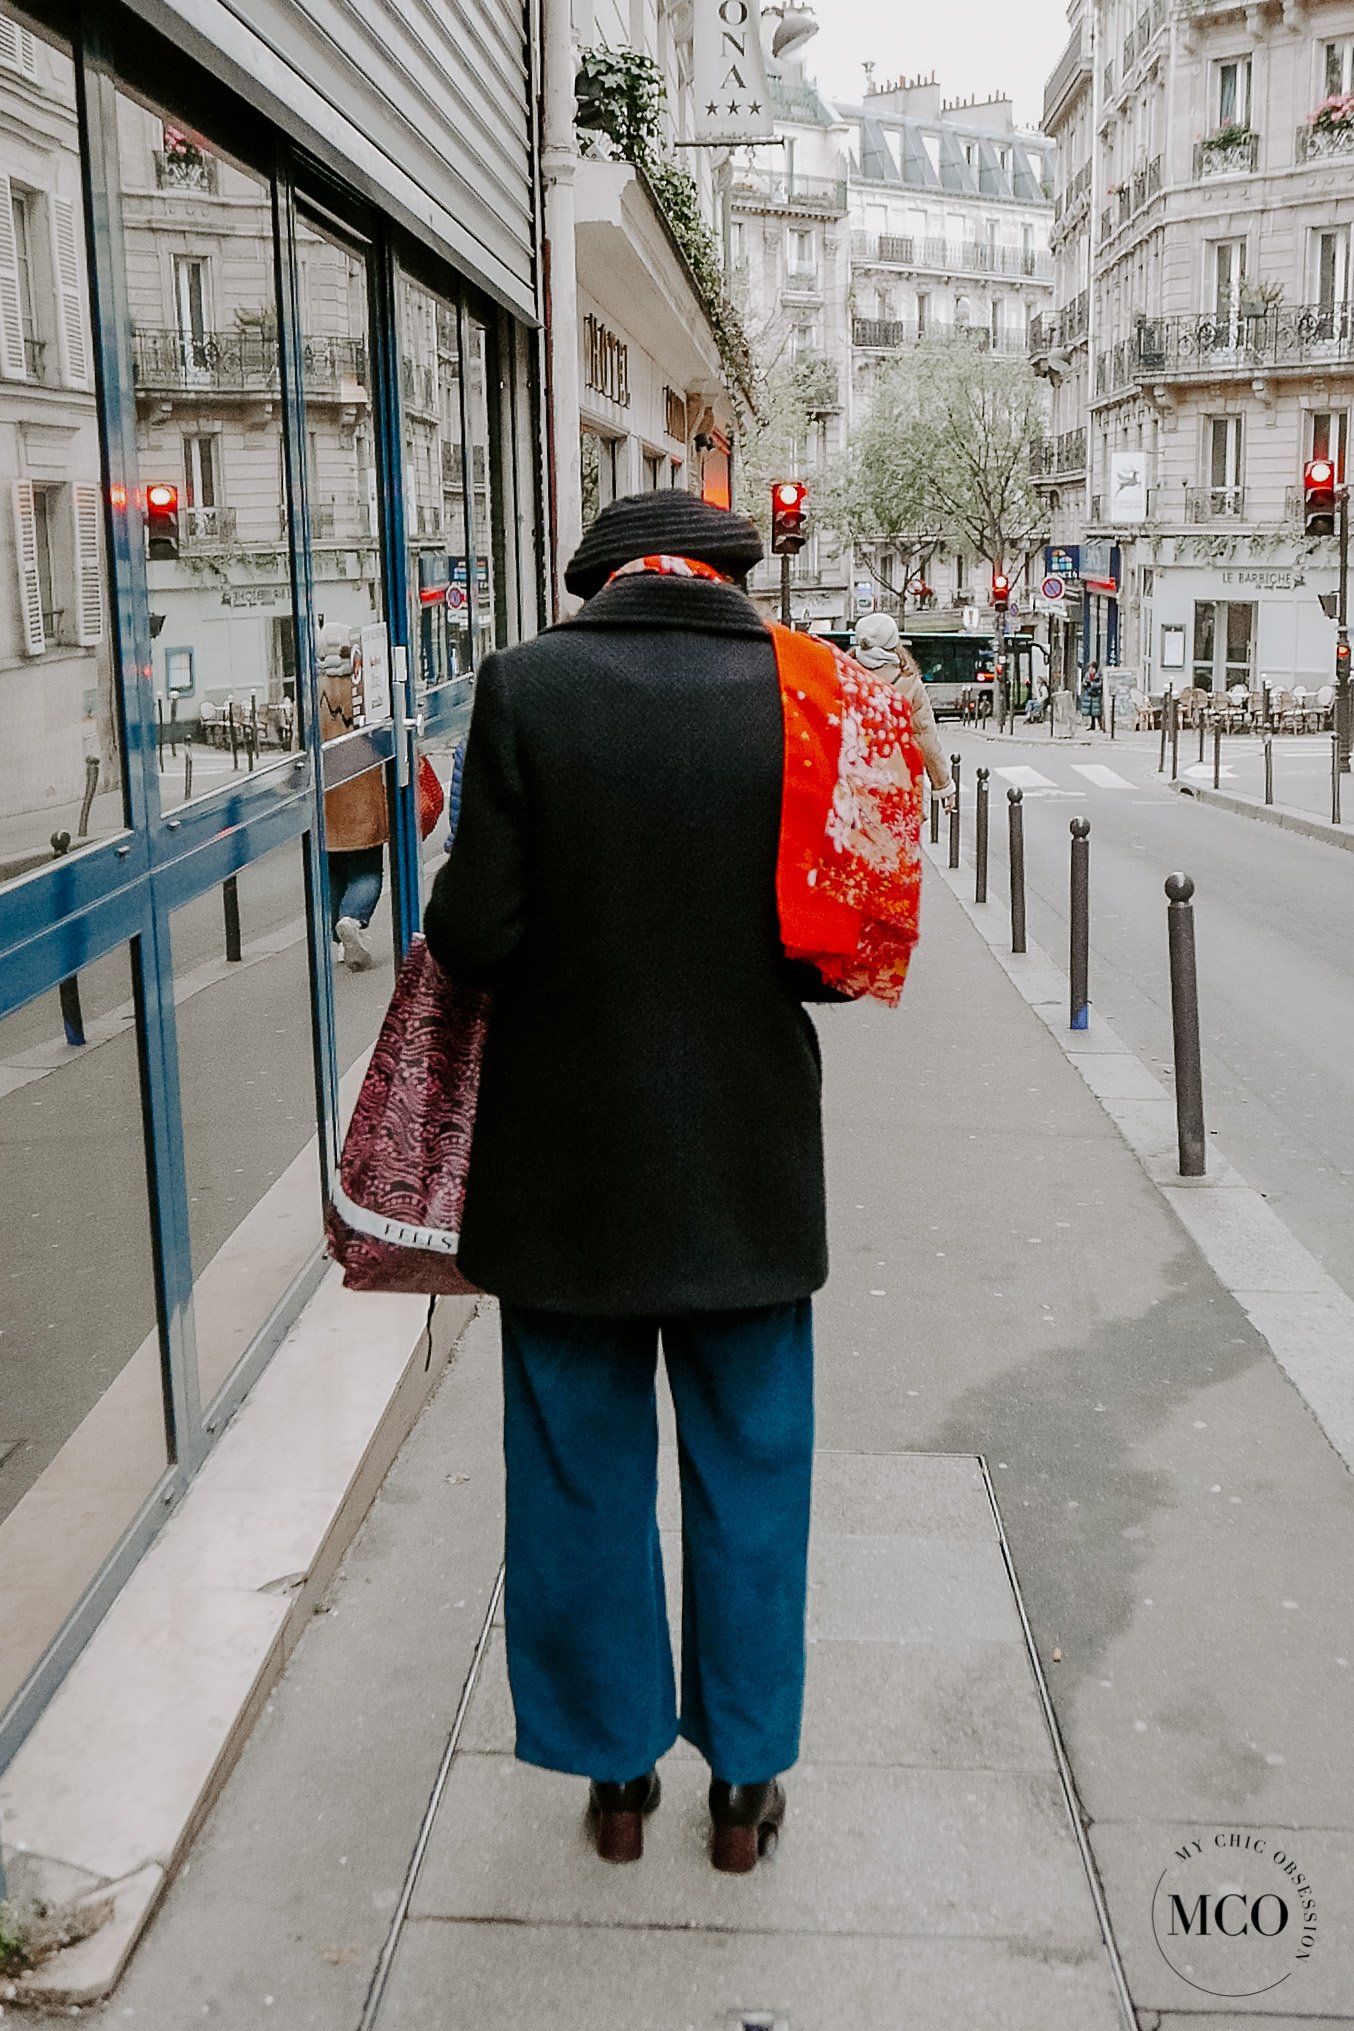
(621, 95)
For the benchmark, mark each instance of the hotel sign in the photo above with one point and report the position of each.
(606, 362)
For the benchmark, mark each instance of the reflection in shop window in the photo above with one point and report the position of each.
(82, 1423)
(483, 505)
(60, 762)
(200, 257)
(435, 480)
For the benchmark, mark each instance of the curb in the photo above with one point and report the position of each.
(106, 1793)
(1282, 815)
(1297, 1308)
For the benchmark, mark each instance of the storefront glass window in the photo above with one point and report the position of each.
(198, 235)
(435, 485)
(247, 1080)
(82, 1428)
(484, 505)
(61, 776)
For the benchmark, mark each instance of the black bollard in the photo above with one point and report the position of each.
(68, 990)
(1202, 731)
(1217, 752)
(230, 902)
(187, 770)
(1335, 779)
(174, 726)
(1015, 841)
(160, 733)
(955, 767)
(980, 841)
(935, 816)
(1269, 766)
(1189, 1077)
(234, 734)
(1165, 707)
(91, 791)
(1175, 737)
(1081, 925)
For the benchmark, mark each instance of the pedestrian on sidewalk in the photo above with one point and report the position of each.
(647, 1166)
(1093, 691)
(879, 647)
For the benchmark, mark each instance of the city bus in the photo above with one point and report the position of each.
(952, 665)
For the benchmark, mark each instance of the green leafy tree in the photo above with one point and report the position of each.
(943, 452)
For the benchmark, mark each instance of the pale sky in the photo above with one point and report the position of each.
(975, 47)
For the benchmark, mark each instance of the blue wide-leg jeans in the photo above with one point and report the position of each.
(589, 1659)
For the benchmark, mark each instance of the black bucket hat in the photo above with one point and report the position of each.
(667, 522)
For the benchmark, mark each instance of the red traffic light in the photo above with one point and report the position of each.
(162, 521)
(1319, 494)
(1342, 657)
(1001, 591)
(789, 499)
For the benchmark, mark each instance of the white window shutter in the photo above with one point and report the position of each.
(86, 512)
(72, 342)
(12, 363)
(26, 555)
(18, 51)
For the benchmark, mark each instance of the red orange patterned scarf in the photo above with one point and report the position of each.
(848, 870)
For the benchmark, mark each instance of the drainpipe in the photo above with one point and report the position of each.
(559, 157)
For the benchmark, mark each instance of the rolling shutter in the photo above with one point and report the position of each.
(12, 363)
(26, 556)
(86, 509)
(72, 343)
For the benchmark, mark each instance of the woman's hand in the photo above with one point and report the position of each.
(948, 796)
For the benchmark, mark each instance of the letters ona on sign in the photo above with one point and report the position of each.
(730, 93)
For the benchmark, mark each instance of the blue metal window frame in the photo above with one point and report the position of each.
(120, 893)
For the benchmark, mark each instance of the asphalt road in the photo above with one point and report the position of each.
(1275, 936)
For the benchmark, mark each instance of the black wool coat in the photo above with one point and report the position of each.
(649, 1136)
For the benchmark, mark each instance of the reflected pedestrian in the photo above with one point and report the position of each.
(356, 817)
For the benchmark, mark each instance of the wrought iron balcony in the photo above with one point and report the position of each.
(1319, 144)
(1059, 457)
(186, 169)
(949, 257)
(1215, 504)
(243, 362)
(1226, 154)
(774, 191)
(1214, 346)
(206, 528)
(891, 335)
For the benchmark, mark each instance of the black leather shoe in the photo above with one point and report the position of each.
(747, 1822)
(617, 1813)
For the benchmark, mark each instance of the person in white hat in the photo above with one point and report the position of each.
(879, 647)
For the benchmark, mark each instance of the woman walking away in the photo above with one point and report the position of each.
(647, 1166)
(879, 647)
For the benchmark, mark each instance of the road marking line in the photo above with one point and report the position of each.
(1104, 778)
(1025, 778)
(1202, 769)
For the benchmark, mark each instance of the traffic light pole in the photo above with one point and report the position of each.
(1342, 692)
(785, 588)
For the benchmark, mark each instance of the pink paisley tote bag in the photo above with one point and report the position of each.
(394, 1223)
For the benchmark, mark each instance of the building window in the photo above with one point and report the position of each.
(1337, 68)
(1331, 265)
(1224, 636)
(738, 240)
(1224, 465)
(963, 313)
(600, 467)
(931, 143)
(654, 467)
(1227, 260)
(996, 324)
(923, 312)
(190, 316)
(802, 258)
(1329, 435)
(1234, 92)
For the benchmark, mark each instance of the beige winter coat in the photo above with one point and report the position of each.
(907, 678)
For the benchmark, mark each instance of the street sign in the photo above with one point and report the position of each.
(864, 597)
(972, 619)
(1053, 587)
